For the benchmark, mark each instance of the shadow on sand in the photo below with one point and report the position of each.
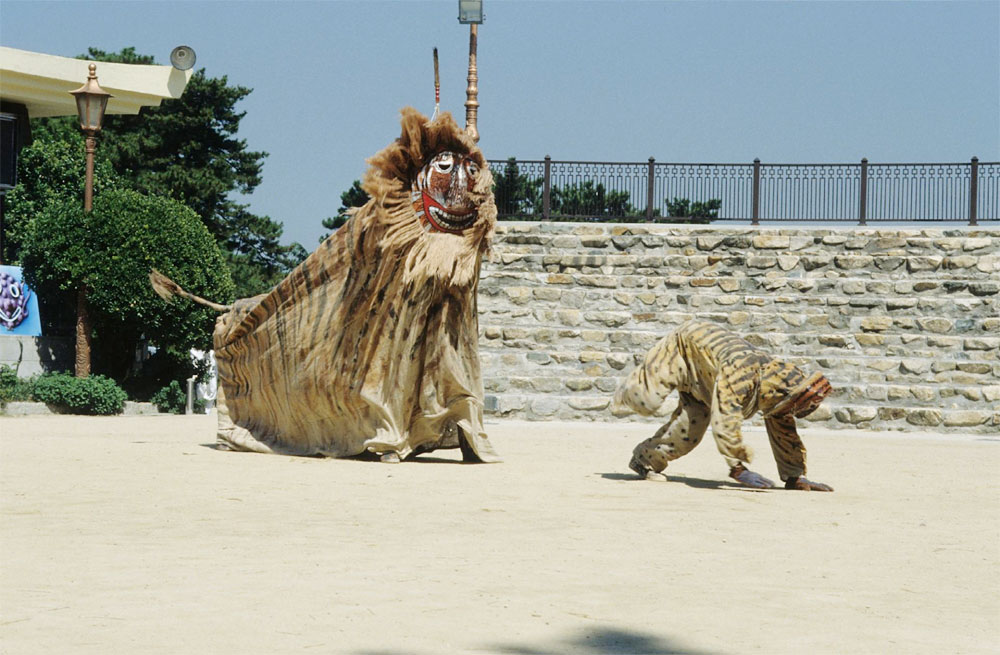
(600, 641)
(698, 483)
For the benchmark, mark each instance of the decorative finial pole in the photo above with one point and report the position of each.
(437, 87)
(472, 91)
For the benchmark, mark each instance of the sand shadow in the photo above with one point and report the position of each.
(698, 483)
(599, 641)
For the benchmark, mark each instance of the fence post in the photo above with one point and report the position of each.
(649, 192)
(863, 207)
(974, 191)
(756, 192)
(546, 187)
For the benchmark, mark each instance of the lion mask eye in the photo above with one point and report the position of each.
(444, 162)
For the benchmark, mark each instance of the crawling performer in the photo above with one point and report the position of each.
(722, 379)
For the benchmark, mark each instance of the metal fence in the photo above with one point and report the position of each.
(651, 191)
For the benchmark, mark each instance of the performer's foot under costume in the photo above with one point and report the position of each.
(722, 380)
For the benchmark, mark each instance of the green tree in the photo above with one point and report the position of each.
(110, 252)
(355, 196)
(694, 212)
(518, 195)
(50, 171)
(187, 149)
(590, 200)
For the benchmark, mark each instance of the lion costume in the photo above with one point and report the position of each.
(371, 344)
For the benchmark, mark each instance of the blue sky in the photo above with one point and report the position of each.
(789, 82)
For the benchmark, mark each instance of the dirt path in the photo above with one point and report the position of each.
(131, 535)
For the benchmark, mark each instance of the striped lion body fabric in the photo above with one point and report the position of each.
(371, 344)
(721, 380)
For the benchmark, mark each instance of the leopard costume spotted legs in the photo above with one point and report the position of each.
(722, 380)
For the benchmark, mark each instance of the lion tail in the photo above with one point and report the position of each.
(167, 289)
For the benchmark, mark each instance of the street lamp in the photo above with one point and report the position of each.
(91, 101)
(470, 12)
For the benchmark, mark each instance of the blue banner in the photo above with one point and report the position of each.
(18, 305)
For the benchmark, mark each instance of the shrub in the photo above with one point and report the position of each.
(173, 399)
(95, 394)
(110, 252)
(13, 388)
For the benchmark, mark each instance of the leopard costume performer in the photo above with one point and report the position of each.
(371, 344)
(722, 380)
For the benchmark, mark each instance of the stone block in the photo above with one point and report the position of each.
(896, 392)
(570, 316)
(618, 361)
(589, 403)
(893, 304)
(924, 417)
(966, 418)
(961, 261)
(869, 340)
(544, 293)
(821, 413)
(709, 242)
(915, 366)
(936, 325)
(579, 384)
(981, 343)
(977, 243)
(538, 358)
(518, 295)
(545, 406)
(852, 262)
(606, 385)
(738, 318)
(769, 241)
(923, 263)
(891, 413)
(795, 320)
(855, 415)
(876, 323)
(813, 262)
(761, 261)
(984, 288)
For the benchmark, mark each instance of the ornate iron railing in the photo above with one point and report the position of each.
(650, 191)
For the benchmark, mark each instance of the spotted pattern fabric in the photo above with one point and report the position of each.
(721, 380)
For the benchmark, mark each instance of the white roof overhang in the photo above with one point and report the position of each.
(42, 83)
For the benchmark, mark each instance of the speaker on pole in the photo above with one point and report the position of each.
(182, 58)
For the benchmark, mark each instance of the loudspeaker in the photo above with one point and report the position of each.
(182, 58)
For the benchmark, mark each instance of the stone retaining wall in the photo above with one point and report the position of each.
(904, 323)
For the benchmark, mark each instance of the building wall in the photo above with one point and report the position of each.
(904, 322)
(35, 355)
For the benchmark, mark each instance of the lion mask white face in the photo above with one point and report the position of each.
(440, 193)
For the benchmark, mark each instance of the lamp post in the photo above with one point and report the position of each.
(470, 12)
(91, 101)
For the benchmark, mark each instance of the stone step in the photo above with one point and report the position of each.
(770, 333)
(749, 320)
(916, 391)
(881, 265)
(579, 369)
(674, 239)
(719, 280)
(829, 415)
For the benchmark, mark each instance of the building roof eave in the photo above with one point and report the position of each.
(42, 83)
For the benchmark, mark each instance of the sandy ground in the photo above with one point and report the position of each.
(134, 535)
